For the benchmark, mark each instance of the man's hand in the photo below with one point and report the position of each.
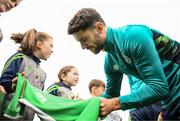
(109, 105)
(2, 90)
(160, 117)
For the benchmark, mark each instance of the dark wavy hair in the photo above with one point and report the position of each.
(83, 19)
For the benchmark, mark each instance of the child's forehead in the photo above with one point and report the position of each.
(101, 86)
(74, 69)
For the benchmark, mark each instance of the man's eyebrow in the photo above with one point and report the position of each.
(82, 38)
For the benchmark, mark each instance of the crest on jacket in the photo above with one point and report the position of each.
(126, 58)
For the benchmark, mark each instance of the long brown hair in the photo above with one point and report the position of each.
(29, 39)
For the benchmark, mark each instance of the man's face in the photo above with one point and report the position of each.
(90, 39)
(6, 5)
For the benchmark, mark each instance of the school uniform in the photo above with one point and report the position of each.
(61, 89)
(18, 63)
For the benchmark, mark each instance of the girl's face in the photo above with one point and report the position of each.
(45, 49)
(71, 78)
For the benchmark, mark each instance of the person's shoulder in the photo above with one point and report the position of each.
(53, 86)
(14, 62)
(136, 32)
(17, 54)
(131, 26)
(15, 58)
(135, 28)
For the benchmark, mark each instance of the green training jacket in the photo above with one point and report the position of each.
(142, 52)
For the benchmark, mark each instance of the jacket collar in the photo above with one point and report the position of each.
(37, 60)
(33, 57)
(65, 85)
(109, 42)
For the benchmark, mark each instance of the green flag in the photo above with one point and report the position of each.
(49, 107)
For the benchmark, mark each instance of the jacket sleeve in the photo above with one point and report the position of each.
(149, 67)
(113, 78)
(11, 68)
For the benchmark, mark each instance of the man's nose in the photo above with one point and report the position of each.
(77, 77)
(13, 4)
(52, 51)
(10, 6)
(83, 46)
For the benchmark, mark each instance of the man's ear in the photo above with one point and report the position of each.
(99, 27)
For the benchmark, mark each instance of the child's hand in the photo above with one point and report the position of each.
(14, 81)
(2, 90)
(76, 97)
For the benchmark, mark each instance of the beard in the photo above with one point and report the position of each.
(99, 46)
(96, 50)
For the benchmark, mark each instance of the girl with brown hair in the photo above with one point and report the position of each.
(68, 77)
(34, 46)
